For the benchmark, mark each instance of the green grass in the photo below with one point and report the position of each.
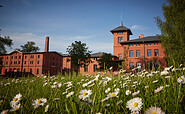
(170, 99)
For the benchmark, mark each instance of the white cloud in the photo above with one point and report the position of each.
(138, 27)
(22, 38)
(59, 43)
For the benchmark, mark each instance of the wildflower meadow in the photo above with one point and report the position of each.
(155, 92)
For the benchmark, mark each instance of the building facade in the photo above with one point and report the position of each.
(146, 52)
(36, 63)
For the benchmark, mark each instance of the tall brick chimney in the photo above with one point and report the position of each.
(141, 36)
(47, 45)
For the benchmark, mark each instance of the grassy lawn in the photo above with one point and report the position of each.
(101, 93)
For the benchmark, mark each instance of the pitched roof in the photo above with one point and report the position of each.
(141, 40)
(32, 52)
(97, 54)
(120, 29)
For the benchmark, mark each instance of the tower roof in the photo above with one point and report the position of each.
(121, 29)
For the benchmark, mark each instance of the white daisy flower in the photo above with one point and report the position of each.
(167, 85)
(55, 83)
(164, 73)
(113, 94)
(56, 99)
(70, 94)
(146, 87)
(134, 104)
(83, 94)
(15, 106)
(107, 79)
(167, 77)
(128, 92)
(155, 81)
(154, 110)
(46, 108)
(17, 98)
(53, 86)
(116, 90)
(59, 85)
(181, 79)
(45, 84)
(158, 89)
(107, 90)
(124, 85)
(69, 84)
(36, 103)
(135, 93)
(84, 85)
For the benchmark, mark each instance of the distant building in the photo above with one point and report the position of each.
(36, 63)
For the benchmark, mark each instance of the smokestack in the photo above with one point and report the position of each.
(141, 36)
(47, 45)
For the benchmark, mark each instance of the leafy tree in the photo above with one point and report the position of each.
(106, 61)
(173, 31)
(6, 41)
(79, 54)
(29, 47)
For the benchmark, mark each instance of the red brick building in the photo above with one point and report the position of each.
(36, 63)
(143, 51)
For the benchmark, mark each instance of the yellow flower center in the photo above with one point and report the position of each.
(16, 108)
(135, 104)
(15, 99)
(154, 113)
(117, 90)
(159, 88)
(180, 78)
(84, 94)
(39, 102)
(112, 94)
(69, 93)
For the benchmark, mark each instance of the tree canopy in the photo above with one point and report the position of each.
(6, 41)
(29, 47)
(79, 54)
(173, 31)
(105, 61)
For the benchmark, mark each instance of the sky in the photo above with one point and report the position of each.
(67, 21)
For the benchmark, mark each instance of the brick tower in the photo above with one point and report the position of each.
(121, 34)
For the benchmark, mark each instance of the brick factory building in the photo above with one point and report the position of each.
(36, 63)
(143, 51)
